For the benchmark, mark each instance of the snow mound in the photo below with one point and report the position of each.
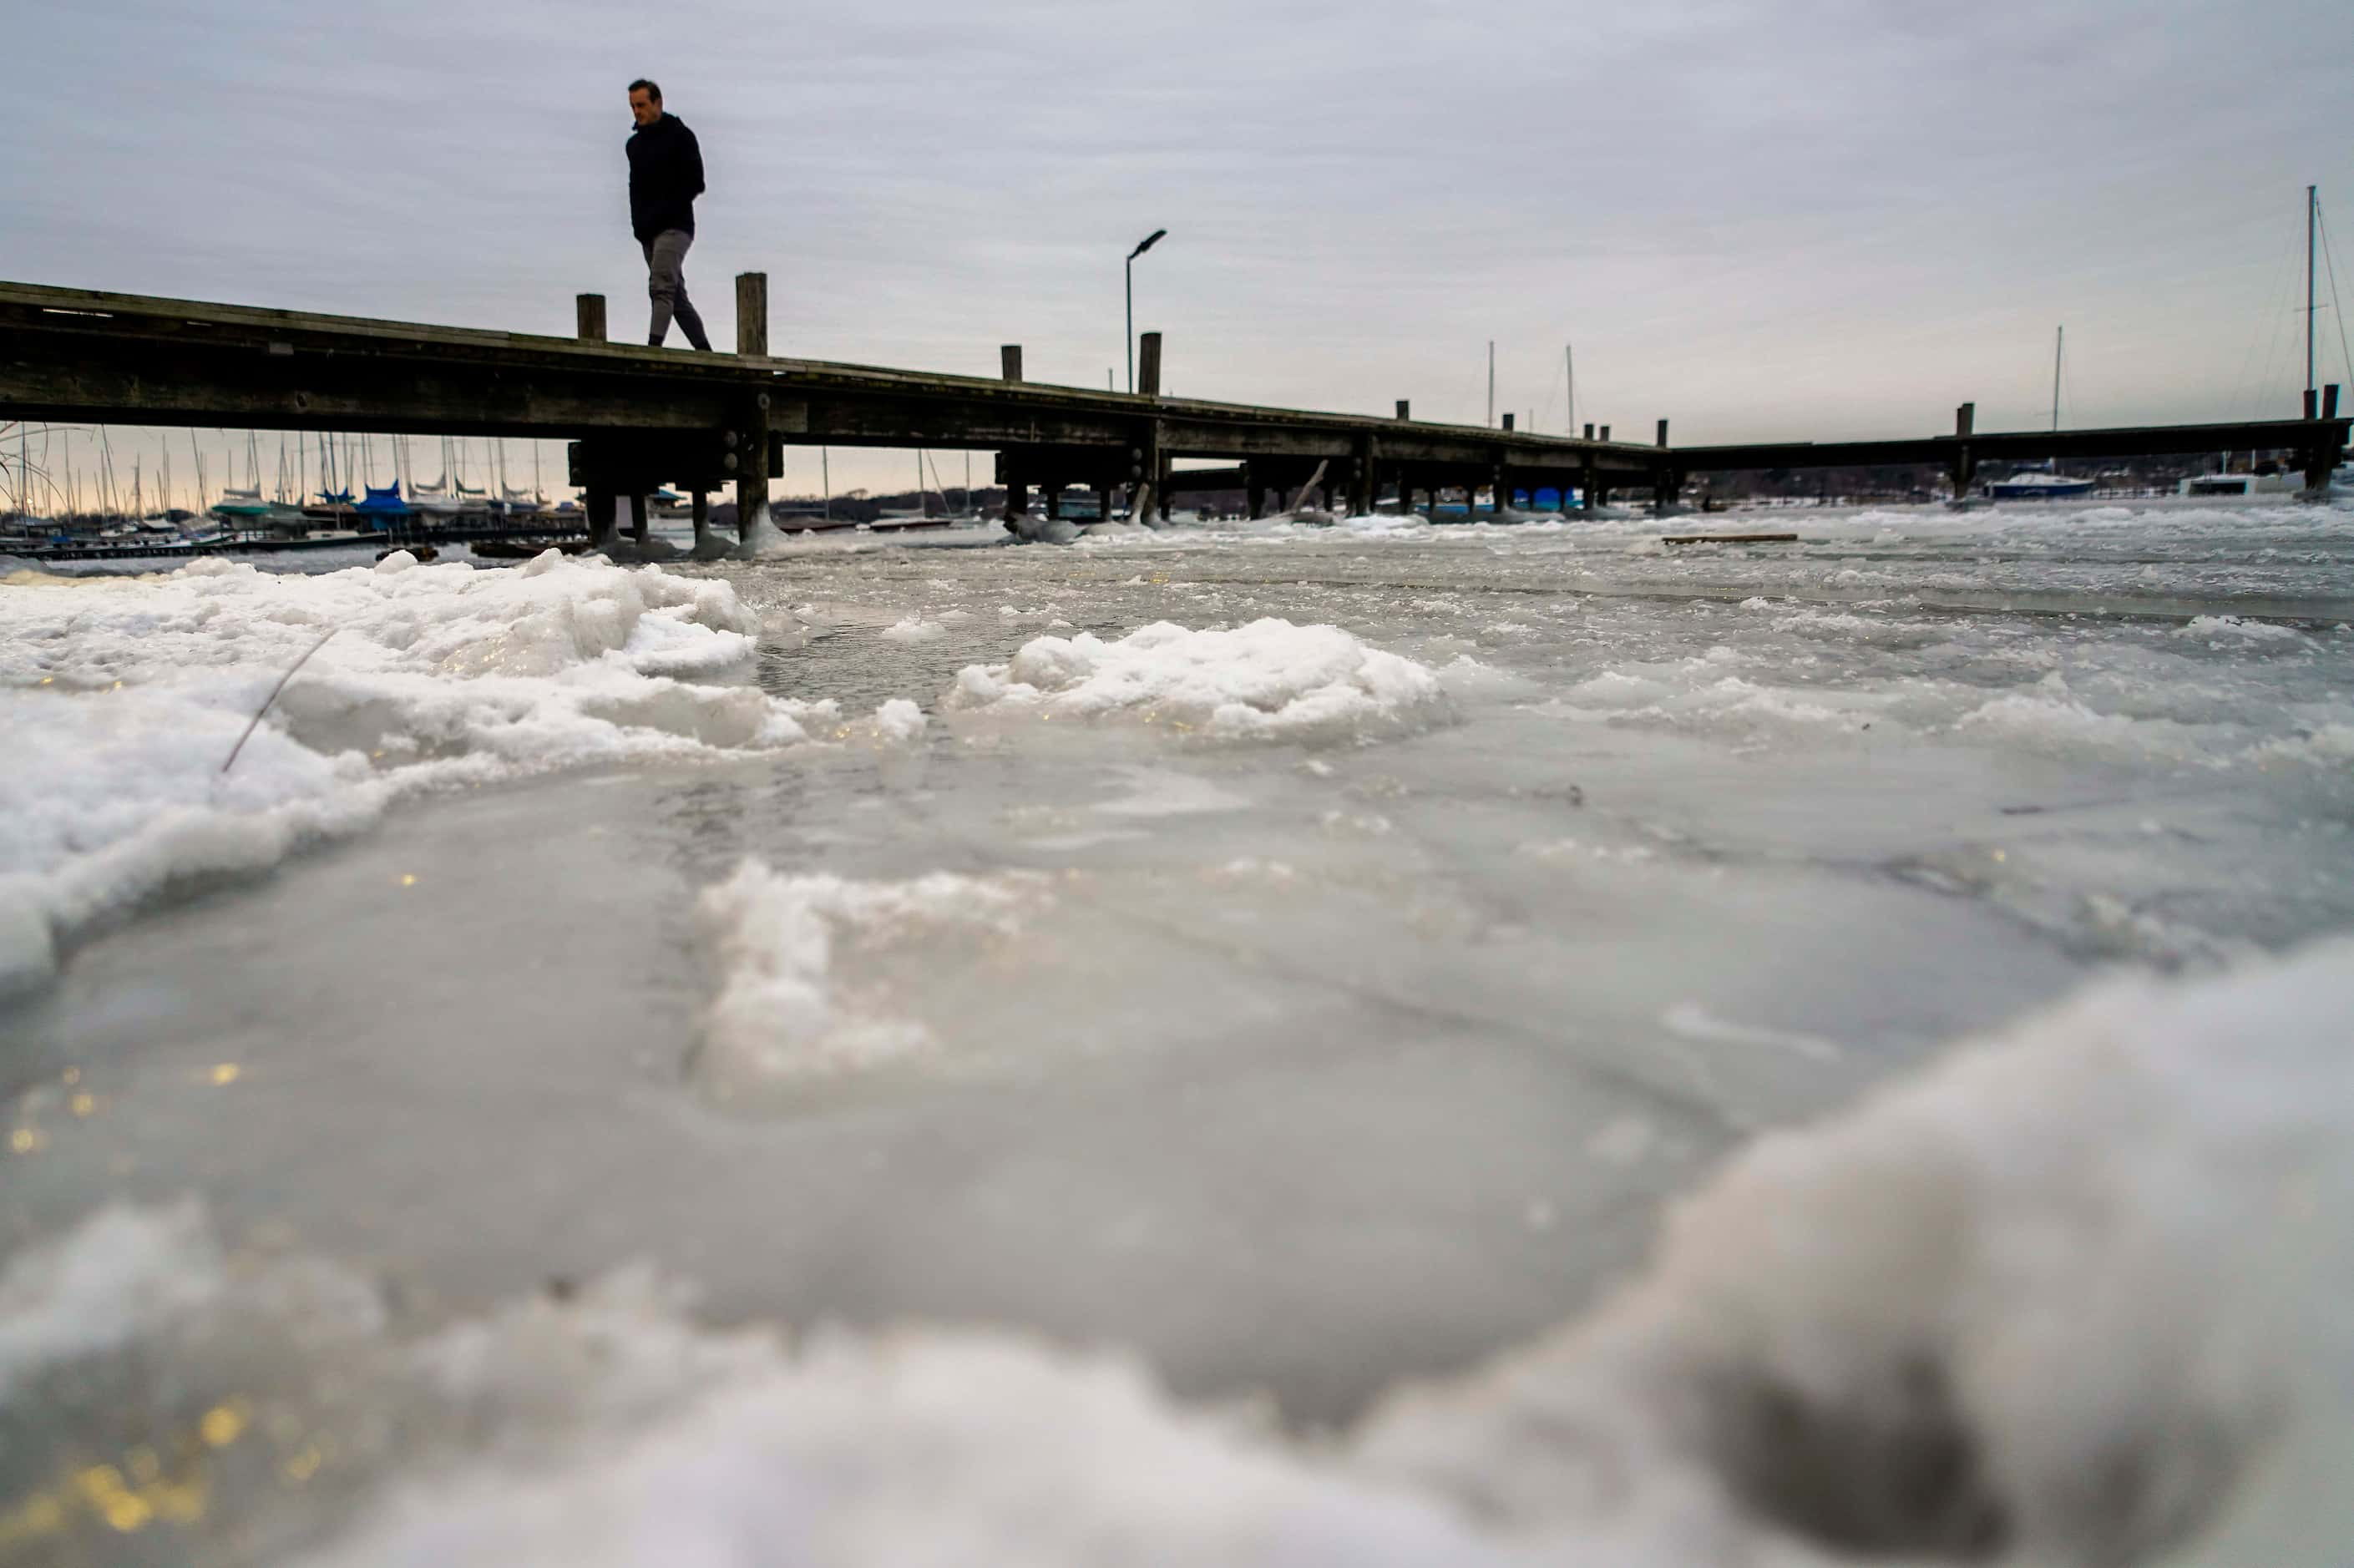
(1267, 680)
(899, 721)
(2072, 1295)
(125, 695)
(1933, 1327)
(783, 1014)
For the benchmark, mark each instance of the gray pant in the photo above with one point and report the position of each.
(666, 286)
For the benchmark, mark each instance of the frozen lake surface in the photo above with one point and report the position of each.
(869, 1050)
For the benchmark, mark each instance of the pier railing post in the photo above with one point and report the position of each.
(1009, 362)
(1663, 432)
(752, 314)
(1405, 409)
(1148, 364)
(588, 317)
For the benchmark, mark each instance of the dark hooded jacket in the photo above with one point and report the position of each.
(666, 176)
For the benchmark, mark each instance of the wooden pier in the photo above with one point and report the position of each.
(640, 418)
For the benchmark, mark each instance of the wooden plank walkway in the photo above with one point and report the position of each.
(642, 417)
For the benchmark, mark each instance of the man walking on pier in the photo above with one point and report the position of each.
(666, 176)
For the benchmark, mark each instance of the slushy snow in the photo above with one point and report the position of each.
(123, 697)
(2070, 1295)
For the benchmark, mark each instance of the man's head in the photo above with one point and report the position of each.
(645, 101)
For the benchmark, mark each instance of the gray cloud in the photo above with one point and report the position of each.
(1800, 219)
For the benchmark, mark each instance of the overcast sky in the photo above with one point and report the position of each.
(1765, 220)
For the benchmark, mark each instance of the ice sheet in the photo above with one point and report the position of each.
(1586, 1048)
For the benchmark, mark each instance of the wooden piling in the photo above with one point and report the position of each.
(1148, 364)
(1405, 409)
(752, 314)
(1009, 362)
(588, 315)
(1663, 432)
(753, 462)
(638, 520)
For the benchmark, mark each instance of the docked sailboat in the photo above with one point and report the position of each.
(246, 508)
(2045, 484)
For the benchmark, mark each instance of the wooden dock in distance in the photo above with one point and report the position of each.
(642, 417)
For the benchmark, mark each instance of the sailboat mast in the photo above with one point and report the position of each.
(2312, 214)
(2059, 345)
(1492, 383)
(1569, 363)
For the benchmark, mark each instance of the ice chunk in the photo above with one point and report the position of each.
(781, 1015)
(121, 1273)
(899, 720)
(125, 696)
(1268, 679)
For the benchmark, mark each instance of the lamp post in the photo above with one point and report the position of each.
(1128, 272)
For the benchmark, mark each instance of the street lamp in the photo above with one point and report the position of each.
(1149, 240)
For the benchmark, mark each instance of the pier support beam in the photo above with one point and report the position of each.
(752, 452)
(2320, 463)
(1965, 465)
(1016, 474)
(703, 541)
(597, 505)
(751, 447)
(638, 518)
